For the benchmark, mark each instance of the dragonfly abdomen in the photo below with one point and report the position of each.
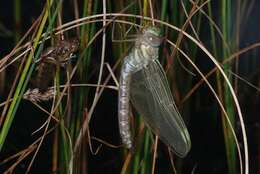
(123, 104)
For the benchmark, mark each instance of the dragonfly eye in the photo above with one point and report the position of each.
(152, 40)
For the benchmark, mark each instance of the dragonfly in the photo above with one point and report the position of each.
(58, 55)
(144, 83)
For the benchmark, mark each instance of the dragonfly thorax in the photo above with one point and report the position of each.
(146, 49)
(139, 58)
(148, 52)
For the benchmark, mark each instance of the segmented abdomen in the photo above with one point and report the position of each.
(123, 104)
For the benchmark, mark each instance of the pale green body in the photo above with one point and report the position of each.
(143, 80)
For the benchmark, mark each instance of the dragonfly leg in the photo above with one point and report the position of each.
(68, 60)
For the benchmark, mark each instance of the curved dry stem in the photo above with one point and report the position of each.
(83, 21)
(24, 153)
(213, 24)
(172, 161)
(126, 163)
(89, 138)
(103, 49)
(230, 58)
(42, 137)
(189, 17)
(185, 25)
(18, 47)
(40, 143)
(22, 157)
(106, 143)
(151, 11)
(72, 85)
(221, 71)
(218, 100)
(154, 153)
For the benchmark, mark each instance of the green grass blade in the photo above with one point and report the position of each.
(16, 98)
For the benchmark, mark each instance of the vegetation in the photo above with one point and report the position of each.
(73, 124)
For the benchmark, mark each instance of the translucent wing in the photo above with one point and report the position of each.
(152, 98)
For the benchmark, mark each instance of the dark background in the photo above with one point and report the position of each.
(208, 151)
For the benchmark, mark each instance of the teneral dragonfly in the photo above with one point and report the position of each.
(143, 81)
(52, 57)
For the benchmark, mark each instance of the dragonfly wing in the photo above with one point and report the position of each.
(152, 98)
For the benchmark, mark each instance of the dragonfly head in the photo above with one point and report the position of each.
(153, 36)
